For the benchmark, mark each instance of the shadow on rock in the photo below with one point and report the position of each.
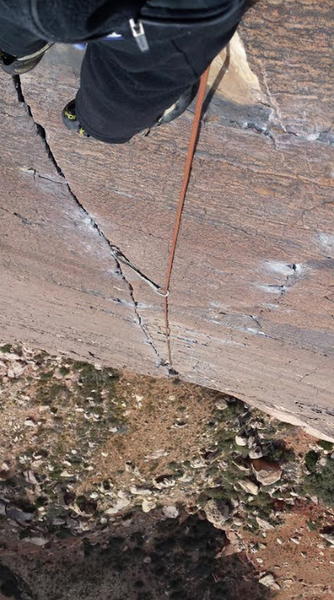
(146, 558)
(12, 586)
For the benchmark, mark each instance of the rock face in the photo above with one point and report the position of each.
(251, 296)
(217, 513)
(269, 582)
(249, 487)
(266, 472)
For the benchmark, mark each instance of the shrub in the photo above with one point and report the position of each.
(325, 445)
(311, 460)
(321, 484)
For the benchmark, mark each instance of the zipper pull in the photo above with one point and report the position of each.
(138, 33)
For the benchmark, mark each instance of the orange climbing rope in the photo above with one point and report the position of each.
(178, 219)
(119, 256)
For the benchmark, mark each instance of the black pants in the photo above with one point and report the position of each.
(124, 90)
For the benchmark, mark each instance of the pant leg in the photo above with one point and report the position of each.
(124, 91)
(15, 39)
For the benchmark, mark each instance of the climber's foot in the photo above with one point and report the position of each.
(18, 66)
(180, 106)
(70, 120)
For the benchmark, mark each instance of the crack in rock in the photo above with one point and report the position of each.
(36, 175)
(42, 134)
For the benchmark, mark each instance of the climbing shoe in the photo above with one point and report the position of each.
(18, 66)
(70, 120)
(177, 109)
(180, 106)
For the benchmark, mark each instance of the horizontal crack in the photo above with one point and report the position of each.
(41, 132)
(23, 219)
(36, 175)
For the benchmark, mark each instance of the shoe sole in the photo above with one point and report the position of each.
(180, 106)
(25, 64)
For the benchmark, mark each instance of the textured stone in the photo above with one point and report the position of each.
(148, 505)
(240, 440)
(249, 487)
(119, 505)
(236, 544)
(266, 472)
(251, 294)
(269, 582)
(329, 537)
(264, 524)
(36, 541)
(217, 513)
(171, 512)
(60, 288)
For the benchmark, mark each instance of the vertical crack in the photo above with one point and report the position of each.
(42, 134)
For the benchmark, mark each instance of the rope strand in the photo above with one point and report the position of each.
(178, 219)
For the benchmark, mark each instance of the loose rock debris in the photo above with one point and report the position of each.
(89, 453)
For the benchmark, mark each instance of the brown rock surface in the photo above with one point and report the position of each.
(252, 290)
(60, 287)
(266, 472)
(101, 480)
